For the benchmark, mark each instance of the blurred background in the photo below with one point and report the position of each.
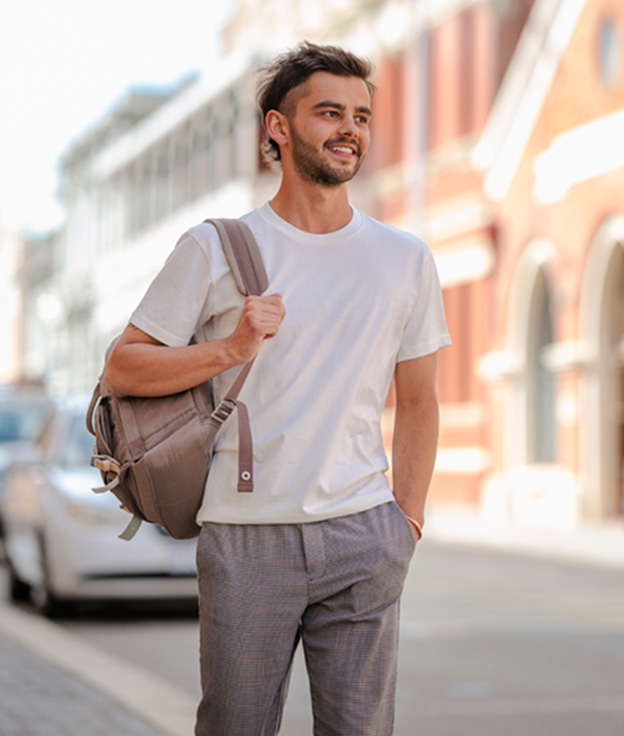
(497, 137)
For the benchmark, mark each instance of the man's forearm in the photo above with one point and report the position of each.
(143, 369)
(414, 449)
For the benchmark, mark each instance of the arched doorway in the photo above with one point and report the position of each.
(602, 407)
(530, 427)
(538, 489)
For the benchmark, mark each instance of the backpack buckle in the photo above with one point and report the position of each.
(223, 411)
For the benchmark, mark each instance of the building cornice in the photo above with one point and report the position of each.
(542, 45)
(160, 124)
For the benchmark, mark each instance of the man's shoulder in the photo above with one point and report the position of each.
(205, 234)
(393, 235)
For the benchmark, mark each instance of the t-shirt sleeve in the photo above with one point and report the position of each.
(425, 330)
(179, 299)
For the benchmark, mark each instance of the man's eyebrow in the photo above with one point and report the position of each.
(339, 106)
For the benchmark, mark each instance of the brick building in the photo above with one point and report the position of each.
(532, 391)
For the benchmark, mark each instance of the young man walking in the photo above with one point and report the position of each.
(320, 550)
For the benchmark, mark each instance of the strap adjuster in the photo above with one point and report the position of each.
(223, 411)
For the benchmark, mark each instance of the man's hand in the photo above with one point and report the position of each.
(260, 319)
(140, 365)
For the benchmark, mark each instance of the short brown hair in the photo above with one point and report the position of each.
(293, 68)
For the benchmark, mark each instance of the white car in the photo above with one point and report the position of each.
(61, 538)
(22, 414)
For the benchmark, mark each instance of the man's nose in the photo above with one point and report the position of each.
(348, 126)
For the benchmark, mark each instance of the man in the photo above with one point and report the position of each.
(319, 551)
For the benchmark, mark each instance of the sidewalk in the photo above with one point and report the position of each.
(54, 684)
(600, 544)
(37, 698)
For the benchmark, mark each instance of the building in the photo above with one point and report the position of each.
(495, 136)
(542, 407)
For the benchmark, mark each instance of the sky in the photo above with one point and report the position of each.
(64, 63)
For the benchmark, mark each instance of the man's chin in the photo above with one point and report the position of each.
(346, 175)
(329, 180)
(331, 176)
(343, 174)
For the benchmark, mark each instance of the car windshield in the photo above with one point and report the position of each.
(22, 422)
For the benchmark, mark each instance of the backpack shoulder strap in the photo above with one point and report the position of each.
(243, 255)
(241, 250)
(92, 404)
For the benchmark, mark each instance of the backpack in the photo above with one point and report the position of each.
(154, 453)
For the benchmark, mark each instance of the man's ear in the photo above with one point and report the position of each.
(277, 127)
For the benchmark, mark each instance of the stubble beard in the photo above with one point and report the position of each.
(314, 169)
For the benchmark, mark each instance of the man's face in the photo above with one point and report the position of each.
(329, 128)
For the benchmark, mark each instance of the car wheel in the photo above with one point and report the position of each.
(47, 603)
(19, 591)
(41, 595)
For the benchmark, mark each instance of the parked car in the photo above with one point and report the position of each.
(22, 415)
(61, 538)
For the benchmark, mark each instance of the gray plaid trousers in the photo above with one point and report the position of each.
(335, 585)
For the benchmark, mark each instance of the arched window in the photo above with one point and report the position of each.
(601, 328)
(612, 378)
(541, 430)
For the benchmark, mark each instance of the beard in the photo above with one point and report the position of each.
(314, 168)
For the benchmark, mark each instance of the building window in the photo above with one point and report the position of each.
(223, 133)
(541, 386)
(610, 53)
(200, 156)
(180, 151)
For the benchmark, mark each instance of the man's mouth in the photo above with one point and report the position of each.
(344, 150)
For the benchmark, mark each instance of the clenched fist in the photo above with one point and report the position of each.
(260, 320)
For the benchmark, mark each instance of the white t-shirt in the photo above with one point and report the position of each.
(357, 301)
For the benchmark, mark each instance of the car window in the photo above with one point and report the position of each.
(21, 422)
(77, 449)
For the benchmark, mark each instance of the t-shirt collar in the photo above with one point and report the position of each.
(352, 227)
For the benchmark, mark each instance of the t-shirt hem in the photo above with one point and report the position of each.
(298, 516)
(157, 332)
(426, 349)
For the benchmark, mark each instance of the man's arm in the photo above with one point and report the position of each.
(142, 366)
(415, 438)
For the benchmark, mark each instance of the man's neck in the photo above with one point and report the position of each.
(313, 208)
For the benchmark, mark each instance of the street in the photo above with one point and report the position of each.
(498, 645)
(492, 644)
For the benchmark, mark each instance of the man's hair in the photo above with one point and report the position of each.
(293, 68)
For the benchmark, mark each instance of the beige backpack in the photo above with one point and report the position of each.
(154, 453)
